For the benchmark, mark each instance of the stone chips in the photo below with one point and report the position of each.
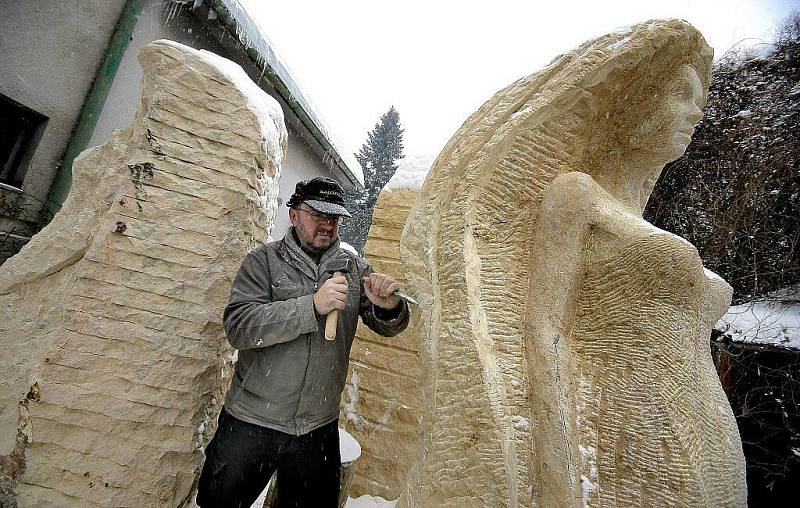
(113, 357)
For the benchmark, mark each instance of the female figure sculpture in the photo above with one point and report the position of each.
(565, 339)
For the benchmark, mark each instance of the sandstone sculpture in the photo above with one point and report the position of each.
(563, 339)
(381, 399)
(113, 355)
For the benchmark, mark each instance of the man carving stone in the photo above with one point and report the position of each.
(282, 407)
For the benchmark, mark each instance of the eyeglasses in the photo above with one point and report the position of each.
(321, 217)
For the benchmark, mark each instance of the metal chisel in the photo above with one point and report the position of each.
(399, 294)
(405, 298)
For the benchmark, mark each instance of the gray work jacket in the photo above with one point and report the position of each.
(287, 376)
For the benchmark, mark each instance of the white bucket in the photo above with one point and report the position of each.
(350, 451)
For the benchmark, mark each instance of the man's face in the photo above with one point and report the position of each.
(316, 231)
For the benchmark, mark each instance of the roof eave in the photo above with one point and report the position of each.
(227, 19)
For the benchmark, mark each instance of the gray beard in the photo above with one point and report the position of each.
(314, 252)
(311, 250)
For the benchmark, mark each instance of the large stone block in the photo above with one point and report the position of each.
(381, 399)
(113, 361)
(563, 340)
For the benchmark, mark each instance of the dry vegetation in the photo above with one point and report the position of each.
(735, 194)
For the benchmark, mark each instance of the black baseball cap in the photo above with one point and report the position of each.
(322, 194)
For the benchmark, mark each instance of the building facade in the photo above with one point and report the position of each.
(69, 77)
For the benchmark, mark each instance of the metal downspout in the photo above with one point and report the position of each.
(92, 106)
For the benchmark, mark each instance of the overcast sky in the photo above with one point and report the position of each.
(437, 61)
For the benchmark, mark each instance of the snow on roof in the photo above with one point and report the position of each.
(251, 36)
(773, 320)
(742, 52)
(411, 173)
(367, 501)
(264, 106)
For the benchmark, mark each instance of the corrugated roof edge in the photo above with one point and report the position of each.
(258, 48)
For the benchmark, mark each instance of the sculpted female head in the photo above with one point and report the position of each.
(669, 128)
(646, 109)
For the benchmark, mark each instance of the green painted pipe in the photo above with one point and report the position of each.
(92, 106)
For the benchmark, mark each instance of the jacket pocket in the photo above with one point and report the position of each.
(284, 289)
(238, 387)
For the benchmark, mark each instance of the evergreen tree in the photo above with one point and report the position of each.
(378, 157)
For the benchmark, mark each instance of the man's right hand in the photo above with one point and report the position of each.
(332, 295)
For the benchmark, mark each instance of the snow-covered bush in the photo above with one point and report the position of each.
(735, 194)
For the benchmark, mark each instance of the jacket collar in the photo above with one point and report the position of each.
(333, 259)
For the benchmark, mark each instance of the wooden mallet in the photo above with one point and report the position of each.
(332, 320)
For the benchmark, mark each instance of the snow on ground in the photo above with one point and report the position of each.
(367, 501)
(261, 498)
(772, 320)
(411, 173)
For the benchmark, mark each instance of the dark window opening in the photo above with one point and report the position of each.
(19, 132)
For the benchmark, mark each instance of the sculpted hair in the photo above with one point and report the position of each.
(635, 91)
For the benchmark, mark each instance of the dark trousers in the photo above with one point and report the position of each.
(241, 458)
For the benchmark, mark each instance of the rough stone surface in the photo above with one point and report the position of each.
(381, 399)
(113, 358)
(563, 340)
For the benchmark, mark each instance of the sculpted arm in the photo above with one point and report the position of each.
(560, 242)
(558, 248)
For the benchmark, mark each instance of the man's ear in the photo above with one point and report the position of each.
(293, 216)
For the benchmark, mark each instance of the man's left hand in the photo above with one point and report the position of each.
(380, 290)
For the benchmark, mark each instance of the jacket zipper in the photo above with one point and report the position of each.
(305, 377)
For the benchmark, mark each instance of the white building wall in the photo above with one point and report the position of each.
(49, 55)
